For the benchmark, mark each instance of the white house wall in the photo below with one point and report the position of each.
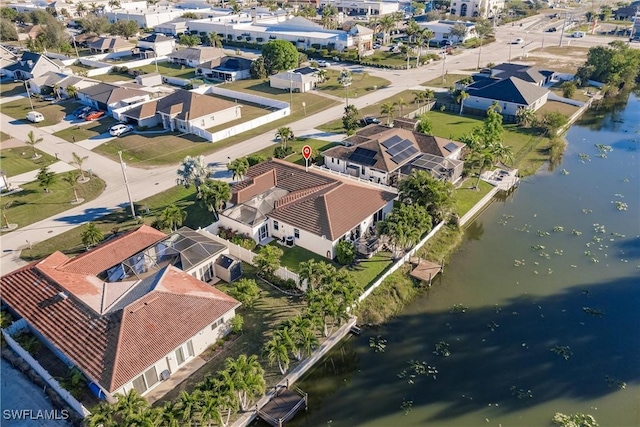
(317, 244)
(240, 227)
(508, 108)
(162, 48)
(218, 118)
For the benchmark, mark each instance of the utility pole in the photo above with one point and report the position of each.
(564, 24)
(444, 61)
(26, 86)
(73, 37)
(126, 184)
(291, 91)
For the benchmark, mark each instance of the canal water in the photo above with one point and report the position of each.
(539, 310)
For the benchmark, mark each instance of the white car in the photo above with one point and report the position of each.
(323, 64)
(518, 41)
(35, 117)
(120, 129)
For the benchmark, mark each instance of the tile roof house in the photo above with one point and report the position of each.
(107, 97)
(184, 111)
(299, 80)
(228, 69)
(194, 56)
(109, 45)
(46, 82)
(32, 65)
(155, 45)
(383, 155)
(312, 209)
(121, 334)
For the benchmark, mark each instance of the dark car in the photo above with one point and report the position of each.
(369, 121)
(81, 112)
(551, 30)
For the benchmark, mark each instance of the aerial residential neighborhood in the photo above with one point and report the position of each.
(234, 213)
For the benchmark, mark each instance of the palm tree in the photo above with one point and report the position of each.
(78, 161)
(94, 8)
(400, 104)
(387, 23)
(322, 76)
(419, 45)
(173, 217)
(285, 134)
(56, 90)
(227, 400)
(420, 96)
(3, 207)
(209, 410)
(303, 335)
(114, 4)
(525, 116)
(214, 195)
(193, 170)
(389, 109)
(239, 167)
(315, 273)
(130, 404)
(246, 377)
(484, 29)
(502, 152)
(428, 35)
(460, 98)
(72, 179)
(102, 415)
(72, 91)
(276, 350)
(32, 141)
(170, 415)
(46, 178)
(188, 405)
(345, 79)
(80, 8)
(91, 235)
(215, 40)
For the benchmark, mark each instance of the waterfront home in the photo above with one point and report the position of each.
(312, 209)
(510, 94)
(122, 312)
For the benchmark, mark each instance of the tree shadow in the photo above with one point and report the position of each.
(88, 215)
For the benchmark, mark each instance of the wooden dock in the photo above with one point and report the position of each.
(283, 406)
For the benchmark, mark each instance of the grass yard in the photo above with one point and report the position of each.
(566, 109)
(4, 136)
(170, 69)
(53, 113)
(90, 130)
(112, 78)
(12, 89)
(317, 145)
(367, 270)
(449, 80)
(249, 112)
(466, 196)
(292, 257)
(18, 160)
(373, 110)
(579, 95)
(70, 242)
(33, 204)
(362, 83)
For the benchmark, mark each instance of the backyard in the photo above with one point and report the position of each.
(561, 107)
(53, 112)
(317, 145)
(249, 112)
(18, 160)
(360, 85)
(170, 69)
(466, 196)
(85, 131)
(33, 204)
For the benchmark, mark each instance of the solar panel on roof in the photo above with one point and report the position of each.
(404, 155)
(391, 141)
(365, 152)
(399, 147)
(363, 156)
(451, 147)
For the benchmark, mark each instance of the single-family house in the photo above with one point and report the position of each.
(32, 65)
(384, 155)
(442, 30)
(109, 45)
(46, 83)
(527, 73)
(194, 56)
(299, 80)
(362, 39)
(125, 322)
(510, 94)
(184, 111)
(107, 97)
(229, 69)
(308, 208)
(172, 28)
(154, 45)
(84, 39)
(7, 57)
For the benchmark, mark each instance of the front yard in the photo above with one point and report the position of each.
(449, 80)
(169, 69)
(11, 88)
(361, 84)
(317, 145)
(33, 204)
(17, 160)
(85, 131)
(53, 113)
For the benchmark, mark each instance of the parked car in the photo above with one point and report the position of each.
(323, 64)
(578, 34)
(551, 30)
(80, 110)
(35, 117)
(94, 115)
(518, 41)
(120, 129)
(369, 121)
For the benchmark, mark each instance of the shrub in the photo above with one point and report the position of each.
(236, 324)
(345, 252)
(315, 45)
(282, 152)
(324, 53)
(254, 159)
(568, 89)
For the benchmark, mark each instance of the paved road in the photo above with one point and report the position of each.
(147, 182)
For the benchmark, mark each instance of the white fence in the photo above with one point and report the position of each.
(101, 68)
(247, 256)
(355, 178)
(554, 97)
(46, 376)
(242, 96)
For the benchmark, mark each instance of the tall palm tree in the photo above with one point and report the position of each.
(525, 116)
(102, 415)
(285, 134)
(420, 96)
(322, 76)
(303, 335)
(427, 34)
(78, 161)
(193, 170)
(239, 167)
(114, 4)
(130, 404)
(387, 23)
(209, 410)
(80, 8)
(214, 195)
(33, 141)
(173, 217)
(461, 98)
(72, 91)
(316, 273)
(215, 40)
(345, 79)
(276, 350)
(188, 406)
(72, 179)
(400, 104)
(227, 398)
(3, 207)
(420, 40)
(389, 109)
(246, 378)
(484, 29)
(170, 415)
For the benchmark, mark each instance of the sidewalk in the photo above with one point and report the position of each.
(57, 167)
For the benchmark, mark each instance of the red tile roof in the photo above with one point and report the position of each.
(113, 348)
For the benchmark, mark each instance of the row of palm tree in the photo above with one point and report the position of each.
(390, 108)
(213, 401)
(295, 337)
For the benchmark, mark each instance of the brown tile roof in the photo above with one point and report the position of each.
(104, 43)
(185, 105)
(143, 111)
(113, 348)
(318, 203)
(110, 94)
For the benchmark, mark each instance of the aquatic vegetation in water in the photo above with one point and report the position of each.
(417, 368)
(584, 158)
(493, 326)
(621, 206)
(558, 228)
(576, 232)
(520, 393)
(618, 235)
(558, 252)
(504, 219)
(587, 211)
(537, 247)
(564, 172)
(525, 228)
(574, 420)
(599, 228)
(594, 311)
(542, 233)
(518, 262)
(406, 406)
(378, 344)
(615, 382)
(442, 349)
(603, 150)
(562, 350)
(458, 308)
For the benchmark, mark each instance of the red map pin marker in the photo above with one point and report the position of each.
(306, 152)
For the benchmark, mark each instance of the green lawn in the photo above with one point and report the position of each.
(12, 89)
(317, 145)
(449, 80)
(579, 94)
(249, 112)
(53, 113)
(561, 107)
(466, 196)
(373, 110)
(170, 69)
(17, 160)
(90, 130)
(112, 78)
(362, 83)
(367, 270)
(292, 257)
(70, 242)
(33, 204)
